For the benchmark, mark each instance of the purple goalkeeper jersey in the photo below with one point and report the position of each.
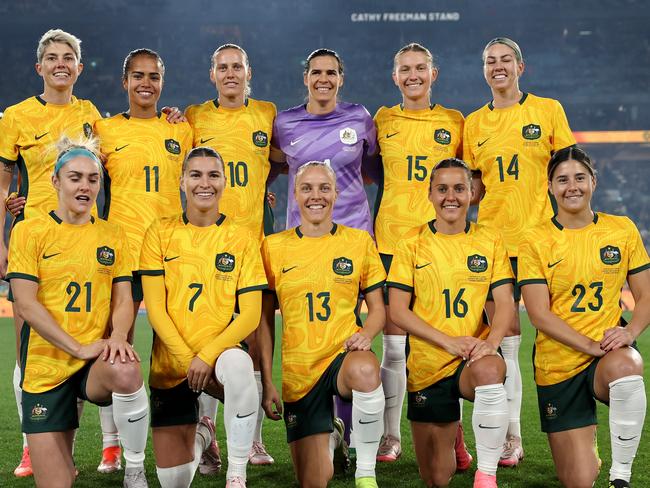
(344, 137)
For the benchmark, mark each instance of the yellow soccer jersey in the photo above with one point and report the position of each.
(412, 142)
(242, 136)
(584, 270)
(75, 267)
(205, 269)
(144, 159)
(511, 147)
(317, 281)
(449, 277)
(28, 133)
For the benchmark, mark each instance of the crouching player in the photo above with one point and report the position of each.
(573, 268)
(195, 267)
(70, 274)
(438, 284)
(317, 270)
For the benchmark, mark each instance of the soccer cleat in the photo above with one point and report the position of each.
(366, 482)
(258, 455)
(512, 452)
(341, 455)
(482, 480)
(235, 482)
(390, 449)
(618, 484)
(24, 469)
(135, 478)
(463, 457)
(210, 463)
(111, 460)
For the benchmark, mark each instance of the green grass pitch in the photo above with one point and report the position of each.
(536, 471)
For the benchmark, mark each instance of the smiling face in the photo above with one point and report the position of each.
(144, 82)
(59, 66)
(501, 68)
(315, 192)
(77, 184)
(230, 73)
(323, 79)
(414, 75)
(572, 185)
(450, 193)
(203, 183)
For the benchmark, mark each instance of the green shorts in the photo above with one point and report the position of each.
(516, 289)
(386, 260)
(313, 413)
(174, 406)
(570, 404)
(437, 403)
(56, 410)
(136, 287)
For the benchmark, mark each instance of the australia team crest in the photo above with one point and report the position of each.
(477, 263)
(342, 266)
(105, 256)
(442, 136)
(172, 146)
(88, 130)
(260, 138)
(348, 136)
(531, 131)
(225, 262)
(610, 255)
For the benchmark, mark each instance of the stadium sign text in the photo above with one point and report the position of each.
(405, 16)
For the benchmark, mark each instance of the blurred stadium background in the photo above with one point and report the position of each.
(593, 56)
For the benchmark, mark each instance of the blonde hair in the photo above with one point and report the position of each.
(58, 35)
(417, 48)
(314, 164)
(506, 42)
(68, 148)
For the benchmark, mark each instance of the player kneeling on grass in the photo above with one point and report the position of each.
(438, 284)
(70, 274)
(317, 271)
(195, 267)
(572, 270)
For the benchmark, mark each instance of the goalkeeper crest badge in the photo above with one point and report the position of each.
(348, 136)
(105, 256)
(225, 262)
(172, 146)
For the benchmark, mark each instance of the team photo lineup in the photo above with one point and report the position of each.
(170, 208)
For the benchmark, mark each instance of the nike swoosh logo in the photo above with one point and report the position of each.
(170, 259)
(48, 256)
(131, 421)
(420, 266)
(556, 262)
(481, 143)
(286, 270)
(118, 149)
(36, 137)
(388, 136)
(244, 416)
(203, 141)
(481, 426)
(369, 422)
(624, 440)
(293, 143)
(390, 397)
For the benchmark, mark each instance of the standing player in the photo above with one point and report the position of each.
(27, 129)
(507, 143)
(340, 133)
(317, 270)
(413, 136)
(239, 128)
(439, 279)
(572, 269)
(70, 274)
(143, 157)
(190, 305)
